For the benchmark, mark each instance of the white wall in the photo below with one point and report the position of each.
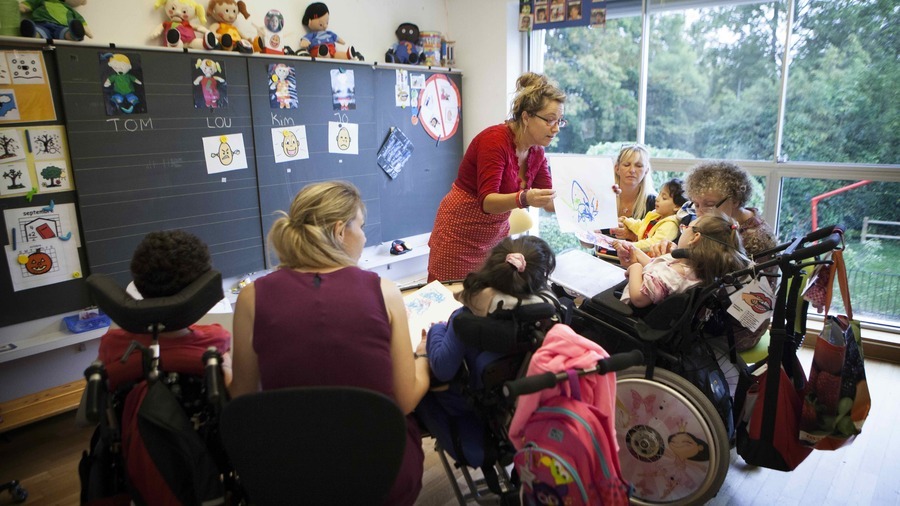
(489, 50)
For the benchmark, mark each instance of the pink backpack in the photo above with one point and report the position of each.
(567, 450)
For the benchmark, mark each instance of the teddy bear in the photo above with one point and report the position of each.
(321, 42)
(407, 48)
(243, 38)
(53, 19)
(178, 30)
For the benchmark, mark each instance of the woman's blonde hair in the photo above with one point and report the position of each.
(304, 238)
(646, 187)
(533, 91)
(719, 250)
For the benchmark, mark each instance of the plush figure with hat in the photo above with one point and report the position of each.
(234, 33)
(177, 30)
(53, 19)
(407, 48)
(321, 42)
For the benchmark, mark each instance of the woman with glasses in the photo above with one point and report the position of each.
(725, 187)
(504, 168)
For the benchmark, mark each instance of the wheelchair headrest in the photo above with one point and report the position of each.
(171, 313)
(505, 330)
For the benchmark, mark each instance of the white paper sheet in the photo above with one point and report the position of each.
(584, 273)
(584, 197)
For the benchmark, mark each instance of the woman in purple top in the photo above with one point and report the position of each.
(319, 320)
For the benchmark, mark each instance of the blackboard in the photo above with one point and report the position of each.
(145, 169)
(50, 299)
(140, 172)
(396, 208)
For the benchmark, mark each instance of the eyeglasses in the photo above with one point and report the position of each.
(560, 122)
(683, 227)
(695, 207)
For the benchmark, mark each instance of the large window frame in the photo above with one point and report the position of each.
(774, 171)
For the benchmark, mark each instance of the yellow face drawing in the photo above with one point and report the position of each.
(226, 154)
(343, 139)
(290, 144)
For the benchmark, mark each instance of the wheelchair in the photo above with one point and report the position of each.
(505, 338)
(157, 416)
(674, 414)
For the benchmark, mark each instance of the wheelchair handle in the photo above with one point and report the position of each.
(532, 384)
(212, 361)
(95, 375)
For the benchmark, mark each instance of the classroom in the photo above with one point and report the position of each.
(218, 142)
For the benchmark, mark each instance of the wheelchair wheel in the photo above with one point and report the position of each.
(673, 447)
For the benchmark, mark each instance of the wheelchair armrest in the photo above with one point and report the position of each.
(485, 333)
(608, 299)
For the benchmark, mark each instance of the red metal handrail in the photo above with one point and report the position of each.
(815, 200)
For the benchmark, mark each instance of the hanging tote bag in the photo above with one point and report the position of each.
(836, 401)
(768, 402)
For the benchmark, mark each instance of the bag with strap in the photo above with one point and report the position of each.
(566, 440)
(836, 401)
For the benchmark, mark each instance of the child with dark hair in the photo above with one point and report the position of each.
(163, 264)
(515, 273)
(713, 247)
(660, 224)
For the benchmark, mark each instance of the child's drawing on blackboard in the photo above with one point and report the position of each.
(9, 110)
(343, 89)
(210, 88)
(225, 152)
(289, 143)
(282, 86)
(123, 87)
(11, 146)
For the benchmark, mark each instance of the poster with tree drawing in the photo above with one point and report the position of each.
(47, 143)
(11, 146)
(15, 178)
(53, 174)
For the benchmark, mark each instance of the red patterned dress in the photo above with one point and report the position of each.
(463, 233)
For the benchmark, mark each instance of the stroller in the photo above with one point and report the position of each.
(675, 416)
(157, 436)
(506, 339)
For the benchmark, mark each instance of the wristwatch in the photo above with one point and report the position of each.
(419, 355)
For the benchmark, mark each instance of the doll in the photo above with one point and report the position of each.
(122, 83)
(407, 48)
(320, 42)
(225, 13)
(178, 29)
(53, 19)
(209, 81)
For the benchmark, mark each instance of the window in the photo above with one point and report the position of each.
(716, 88)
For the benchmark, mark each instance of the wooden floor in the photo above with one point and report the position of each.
(44, 457)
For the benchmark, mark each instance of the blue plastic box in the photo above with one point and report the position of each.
(77, 326)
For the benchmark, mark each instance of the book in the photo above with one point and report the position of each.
(430, 304)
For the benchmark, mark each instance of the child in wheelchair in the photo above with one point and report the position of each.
(507, 305)
(711, 246)
(157, 386)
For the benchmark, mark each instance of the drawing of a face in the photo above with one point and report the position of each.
(343, 139)
(38, 263)
(225, 154)
(282, 71)
(291, 145)
(120, 63)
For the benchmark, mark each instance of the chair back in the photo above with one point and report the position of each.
(314, 445)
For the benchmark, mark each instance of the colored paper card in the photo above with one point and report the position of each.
(343, 138)
(289, 143)
(224, 152)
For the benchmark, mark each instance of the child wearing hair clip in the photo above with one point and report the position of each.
(516, 272)
(713, 248)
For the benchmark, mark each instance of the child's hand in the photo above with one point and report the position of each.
(624, 251)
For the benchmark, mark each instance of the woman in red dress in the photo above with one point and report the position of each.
(503, 168)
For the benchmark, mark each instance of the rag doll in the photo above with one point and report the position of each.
(407, 48)
(226, 13)
(321, 42)
(178, 30)
(53, 19)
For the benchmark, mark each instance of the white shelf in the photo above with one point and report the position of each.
(48, 339)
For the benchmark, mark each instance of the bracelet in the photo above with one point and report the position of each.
(419, 355)
(521, 199)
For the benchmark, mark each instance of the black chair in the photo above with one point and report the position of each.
(314, 445)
